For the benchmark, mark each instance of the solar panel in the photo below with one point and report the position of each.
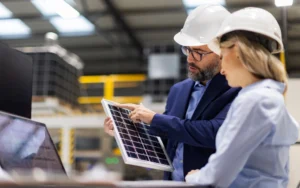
(137, 146)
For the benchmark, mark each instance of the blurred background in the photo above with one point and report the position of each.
(121, 50)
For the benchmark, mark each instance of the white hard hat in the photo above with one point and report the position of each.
(255, 20)
(201, 25)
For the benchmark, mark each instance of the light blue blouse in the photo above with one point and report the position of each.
(253, 142)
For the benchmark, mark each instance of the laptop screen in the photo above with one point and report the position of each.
(16, 75)
(25, 144)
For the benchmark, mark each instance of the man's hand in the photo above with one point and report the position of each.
(138, 113)
(109, 127)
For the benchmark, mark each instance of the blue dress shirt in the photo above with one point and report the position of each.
(197, 93)
(253, 142)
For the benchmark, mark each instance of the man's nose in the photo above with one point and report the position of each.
(190, 58)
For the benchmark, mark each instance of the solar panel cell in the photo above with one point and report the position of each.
(156, 144)
(158, 150)
(124, 136)
(146, 141)
(137, 144)
(143, 157)
(115, 113)
(163, 161)
(151, 153)
(148, 147)
(123, 111)
(142, 130)
(128, 142)
(129, 148)
(119, 119)
(141, 151)
(123, 130)
(153, 159)
(133, 155)
(128, 122)
(133, 133)
(161, 156)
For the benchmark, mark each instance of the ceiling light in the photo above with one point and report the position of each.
(14, 28)
(75, 26)
(281, 3)
(4, 12)
(52, 7)
(195, 3)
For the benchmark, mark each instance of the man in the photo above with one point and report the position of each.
(196, 107)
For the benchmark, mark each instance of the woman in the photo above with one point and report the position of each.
(253, 142)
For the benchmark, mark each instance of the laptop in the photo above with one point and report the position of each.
(25, 145)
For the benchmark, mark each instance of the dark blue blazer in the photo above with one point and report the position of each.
(198, 133)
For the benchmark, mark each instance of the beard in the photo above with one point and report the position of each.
(204, 74)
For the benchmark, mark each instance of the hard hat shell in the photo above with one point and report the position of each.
(201, 25)
(254, 20)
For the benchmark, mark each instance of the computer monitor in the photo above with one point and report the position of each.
(25, 145)
(15, 81)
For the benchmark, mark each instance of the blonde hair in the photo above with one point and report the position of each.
(255, 56)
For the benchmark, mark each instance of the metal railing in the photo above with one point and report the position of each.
(111, 82)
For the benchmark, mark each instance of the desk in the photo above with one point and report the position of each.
(121, 184)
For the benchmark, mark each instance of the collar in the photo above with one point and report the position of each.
(198, 84)
(265, 83)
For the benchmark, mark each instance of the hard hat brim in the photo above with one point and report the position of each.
(185, 40)
(214, 46)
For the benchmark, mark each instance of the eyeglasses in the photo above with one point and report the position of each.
(196, 55)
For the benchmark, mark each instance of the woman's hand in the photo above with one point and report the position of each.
(188, 177)
(192, 172)
(138, 113)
